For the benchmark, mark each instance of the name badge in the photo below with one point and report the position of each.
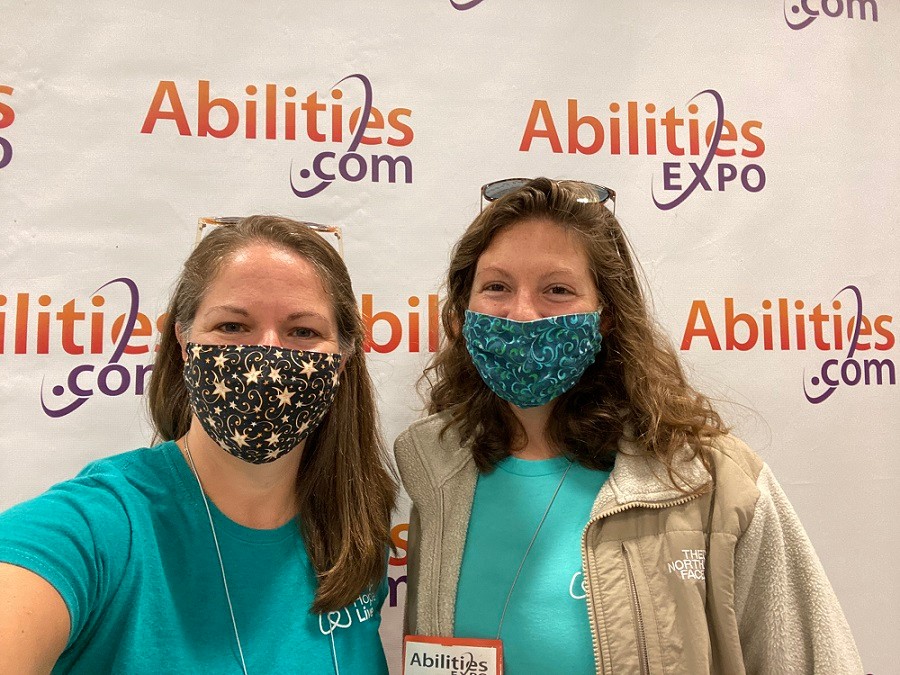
(427, 655)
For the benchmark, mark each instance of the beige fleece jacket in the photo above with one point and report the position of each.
(759, 602)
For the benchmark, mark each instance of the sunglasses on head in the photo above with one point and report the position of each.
(205, 225)
(499, 188)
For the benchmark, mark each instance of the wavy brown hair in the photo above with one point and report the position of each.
(345, 494)
(635, 389)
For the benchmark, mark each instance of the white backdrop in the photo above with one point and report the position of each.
(120, 126)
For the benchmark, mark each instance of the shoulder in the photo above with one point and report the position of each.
(430, 451)
(131, 469)
(87, 519)
(730, 474)
(737, 474)
(79, 535)
(102, 493)
(730, 463)
(729, 453)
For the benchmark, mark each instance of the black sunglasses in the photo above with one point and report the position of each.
(495, 190)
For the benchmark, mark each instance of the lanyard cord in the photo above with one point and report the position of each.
(237, 637)
(212, 528)
(528, 550)
(337, 670)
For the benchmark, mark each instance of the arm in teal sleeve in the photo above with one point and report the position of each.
(77, 536)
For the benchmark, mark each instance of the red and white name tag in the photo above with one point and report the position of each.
(426, 655)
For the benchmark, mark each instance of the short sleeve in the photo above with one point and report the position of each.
(77, 537)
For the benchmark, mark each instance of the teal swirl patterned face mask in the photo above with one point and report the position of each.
(530, 363)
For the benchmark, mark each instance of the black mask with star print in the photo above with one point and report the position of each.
(259, 402)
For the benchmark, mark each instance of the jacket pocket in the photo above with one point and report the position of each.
(666, 577)
(648, 622)
(640, 627)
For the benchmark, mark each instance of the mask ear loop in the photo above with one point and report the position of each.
(600, 326)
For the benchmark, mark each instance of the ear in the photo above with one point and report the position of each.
(182, 340)
(606, 321)
(456, 324)
(344, 359)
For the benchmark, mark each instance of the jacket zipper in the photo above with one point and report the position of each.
(639, 615)
(587, 582)
(595, 633)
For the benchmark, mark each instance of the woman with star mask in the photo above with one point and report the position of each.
(254, 538)
(577, 506)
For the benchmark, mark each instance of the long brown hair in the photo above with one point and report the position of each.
(636, 388)
(345, 494)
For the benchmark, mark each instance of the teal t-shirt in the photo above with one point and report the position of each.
(546, 629)
(127, 544)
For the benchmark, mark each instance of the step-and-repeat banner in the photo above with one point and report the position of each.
(770, 247)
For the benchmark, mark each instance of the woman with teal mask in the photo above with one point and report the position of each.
(573, 498)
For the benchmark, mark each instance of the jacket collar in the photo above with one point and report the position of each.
(639, 477)
(636, 476)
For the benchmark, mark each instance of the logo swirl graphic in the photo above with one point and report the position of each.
(851, 349)
(699, 174)
(354, 143)
(811, 14)
(577, 588)
(7, 116)
(112, 365)
(6, 152)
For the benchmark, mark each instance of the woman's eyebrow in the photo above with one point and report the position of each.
(305, 314)
(560, 271)
(556, 271)
(229, 308)
(496, 269)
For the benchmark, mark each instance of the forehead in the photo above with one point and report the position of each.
(266, 274)
(536, 241)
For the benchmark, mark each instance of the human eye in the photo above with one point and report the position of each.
(493, 287)
(559, 290)
(305, 333)
(230, 327)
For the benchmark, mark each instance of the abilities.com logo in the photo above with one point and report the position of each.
(701, 146)
(97, 334)
(7, 117)
(852, 342)
(112, 341)
(798, 14)
(346, 114)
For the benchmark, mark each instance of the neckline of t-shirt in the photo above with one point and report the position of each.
(533, 467)
(222, 522)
